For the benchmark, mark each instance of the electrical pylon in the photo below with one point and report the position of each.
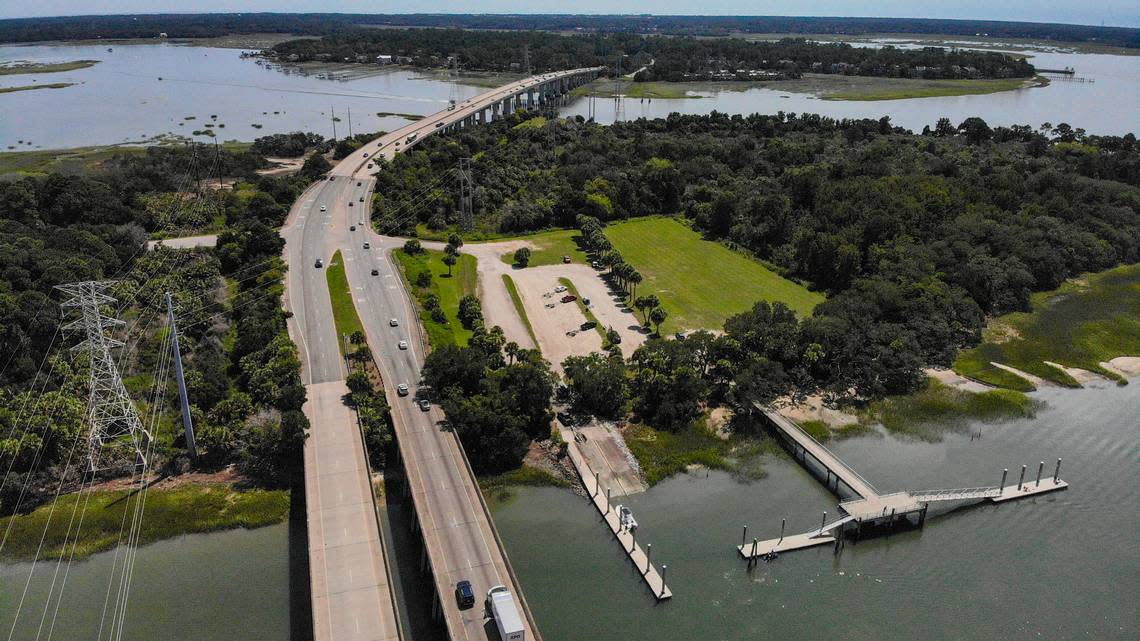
(116, 432)
(466, 215)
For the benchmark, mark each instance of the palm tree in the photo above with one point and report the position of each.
(634, 279)
(449, 260)
(658, 316)
(512, 350)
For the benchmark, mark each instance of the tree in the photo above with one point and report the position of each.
(634, 279)
(455, 240)
(449, 260)
(512, 351)
(599, 383)
(412, 247)
(522, 256)
(658, 316)
(470, 311)
(423, 279)
(315, 166)
(646, 305)
(975, 130)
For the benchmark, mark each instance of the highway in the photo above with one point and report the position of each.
(456, 526)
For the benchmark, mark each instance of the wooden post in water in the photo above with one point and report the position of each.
(1040, 466)
(596, 484)
(1003, 473)
(744, 537)
(663, 569)
(783, 523)
(648, 557)
(754, 543)
(607, 500)
(823, 521)
(1022, 479)
(1057, 472)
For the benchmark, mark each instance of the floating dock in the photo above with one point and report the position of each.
(871, 508)
(627, 539)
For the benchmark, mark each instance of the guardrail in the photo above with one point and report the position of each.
(959, 494)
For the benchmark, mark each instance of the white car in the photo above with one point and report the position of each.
(402, 389)
(402, 345)
(323, 208)
(393, 323)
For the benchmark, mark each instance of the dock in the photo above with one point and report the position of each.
(870, 508)
(640, 557)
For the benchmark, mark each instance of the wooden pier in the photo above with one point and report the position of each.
(870, 508)
(627, 539)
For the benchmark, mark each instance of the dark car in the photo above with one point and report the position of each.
(464, 595)
(569, 298)
(375, 272)
(589, 325)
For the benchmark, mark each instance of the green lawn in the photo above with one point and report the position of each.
(700, 283)
(932, 89)
(449, 289)
(548, 248)
(1085, 321)
(168, 513)
(517, 300)
(344, 311)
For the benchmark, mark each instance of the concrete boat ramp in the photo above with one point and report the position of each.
(872, 509)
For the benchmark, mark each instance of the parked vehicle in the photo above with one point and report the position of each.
(375, 272)
(352, 228)
(393, 322)
(569, 298)
(359, 183)
(402, 345)
(323, 208)
(565, 259)
(425, 405)
(501, 605)
(589, 325)
(367, 245)
(560, 289)
(320, 263)
(464, 595)
(402, 389)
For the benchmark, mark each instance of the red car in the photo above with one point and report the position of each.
(569, 298)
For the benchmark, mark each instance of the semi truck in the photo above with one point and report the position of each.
(501, 605)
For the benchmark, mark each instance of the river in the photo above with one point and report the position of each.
(223, 585)
(1062, 566)
(123, 99)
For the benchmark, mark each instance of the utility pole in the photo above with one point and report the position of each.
(350, 123)
(526, 59)
(116, 432)
(334, 123)
(187, 421)
(466, 215)
(453, 79)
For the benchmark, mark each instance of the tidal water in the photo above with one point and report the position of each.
(1061, 566)
(223, 585)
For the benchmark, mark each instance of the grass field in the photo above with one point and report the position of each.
(449, 290)
(516, 300)
(41, 67)
(700, 283)
(172, 512)
(548, 248)
(1082, 323)
(929, 412)
(930, 89)
(344, 310)
(629, 89)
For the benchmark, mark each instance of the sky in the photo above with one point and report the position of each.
(1123, 13)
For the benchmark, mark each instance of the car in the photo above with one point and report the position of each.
(402, 389)
(392, 322)
(464, 595)
(438, 125)
(366, 154)
(560, 289)
(362, 199)
(370, 165)
(402, 344)
(375, 272)
(565, 259)
(358, 183)
(569, 298)
(320, 263)
(589, 325)
(350, 204)
(368, 245)
(352, 228)
(331, 178)
(323, 208)
(425, 404)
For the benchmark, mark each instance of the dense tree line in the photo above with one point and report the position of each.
(210, 25)
(672, 59)
(242, 370)
(914, 237)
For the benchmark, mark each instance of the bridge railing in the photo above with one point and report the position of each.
(777, 418)
(956, 494)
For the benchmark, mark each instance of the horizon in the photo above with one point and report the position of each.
(1110, 16)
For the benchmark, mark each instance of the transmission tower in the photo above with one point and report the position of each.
(619, 94)
(466, 216)
(117, 434)
(453, 78)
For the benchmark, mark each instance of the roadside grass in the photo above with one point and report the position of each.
(170, 512)
(571, 289)
(42, 67)
(548, 248)
(344, 310)
(448, 289)
(932, 89)
(938, 408)
(700, 283)
(517, 301)
(1084, 322)
(499, 488)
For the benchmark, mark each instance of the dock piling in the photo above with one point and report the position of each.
(1003, 474)
(596, 483)
(755, 542)
(663, 570)
(1040, 466)
(1022, 479)
(1057, 472)
(744, 537)
(783, 524)
(608, 500)
(823, 521)
(648, 557)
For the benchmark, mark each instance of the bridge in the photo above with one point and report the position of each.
(870, 507)
(351, 583)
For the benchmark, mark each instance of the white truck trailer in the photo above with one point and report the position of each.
(501, 605)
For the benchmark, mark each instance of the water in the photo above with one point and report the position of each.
(1061, 566)
(122, 99)
(1106, 106)
(224, 585)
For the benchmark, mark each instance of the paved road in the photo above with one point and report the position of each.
(456, 525)
(351, 595)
